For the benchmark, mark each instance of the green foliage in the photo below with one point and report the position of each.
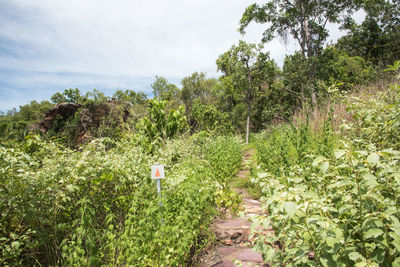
(395, 67)
(224, 156)
(208, 118)
(160, 125)
(197, 88)
(376, 39)
(163, 90)
(130, 97)
(69, 96)
(305, 21)
(98, 206)
(376, 120)
(333, 68)
(76, 121)
(246, 69)
(333, 207)
(284, 146)
(296, 80)
(337, 208)
(15, 125)
(337, 66)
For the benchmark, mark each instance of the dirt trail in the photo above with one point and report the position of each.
(233, 233)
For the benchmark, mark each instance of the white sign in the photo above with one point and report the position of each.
(157, 171)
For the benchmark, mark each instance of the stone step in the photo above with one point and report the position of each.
(246, 256)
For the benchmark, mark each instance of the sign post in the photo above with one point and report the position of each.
(157, 172)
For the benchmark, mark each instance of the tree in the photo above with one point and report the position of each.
(248, 68)
(130, 97)
(197, 87)
(304, 20)
(58, 98)
(377, 38)
(163, 90)
(209, 118)
(96, 96)
(72, 95)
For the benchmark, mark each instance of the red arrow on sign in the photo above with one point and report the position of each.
(157, 173)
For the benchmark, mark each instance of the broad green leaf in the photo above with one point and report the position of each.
(344, 165)
(15, 244)
(290, 208)
(373, 159)
(370, 180)
(355, 256)
(327, 260)
(338, 232)
(306, 236)
(262, 175)
(324, 166)
(369, 177)
(373, 232)
(364, 263)
(270, 254)
(339, 153)
(362, 152)
(331, 241)
(396, 240)
(318, 160)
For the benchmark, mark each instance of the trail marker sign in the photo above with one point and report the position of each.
(157, 171)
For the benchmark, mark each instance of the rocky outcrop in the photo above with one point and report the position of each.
(90, 118)
(60, 111)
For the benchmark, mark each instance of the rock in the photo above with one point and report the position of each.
(224, 264)
(227, 250)
(248, 255)
(63, 111)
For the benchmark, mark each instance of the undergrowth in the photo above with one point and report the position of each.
(99, 206)
(333, 197)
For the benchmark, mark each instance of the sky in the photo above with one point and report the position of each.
(47, 46)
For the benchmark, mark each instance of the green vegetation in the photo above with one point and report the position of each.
(75, 186)
(99, 205)
(333, 198)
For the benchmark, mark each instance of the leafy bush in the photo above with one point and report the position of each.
(342, 211)
(223, 154)
(376, 119)
(285, 145)
(335, 207)
(99, 205)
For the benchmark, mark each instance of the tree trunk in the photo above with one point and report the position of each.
(247, 128)
(313, 84)
(306, 36)
(249, 101)
(313, 96)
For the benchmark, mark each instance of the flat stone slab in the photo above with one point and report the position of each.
(251, 202)
(246, 254)
(227, 250)
(224, 264)
(236, 223)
